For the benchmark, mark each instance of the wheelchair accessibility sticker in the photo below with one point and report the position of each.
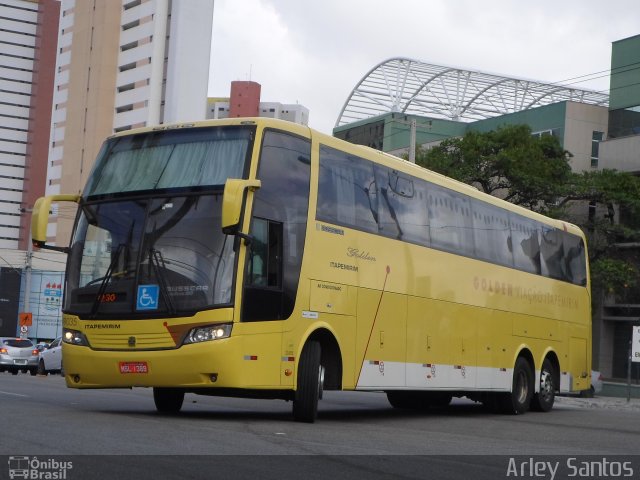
(147, 297)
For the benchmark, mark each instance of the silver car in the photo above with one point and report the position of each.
(18, 354)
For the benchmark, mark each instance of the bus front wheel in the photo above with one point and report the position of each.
(310, 384)
(518, 400)
(168, 400)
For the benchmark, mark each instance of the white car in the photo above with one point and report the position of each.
(51, 358)
(596, 382)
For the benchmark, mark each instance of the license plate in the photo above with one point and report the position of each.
(19, 362)
(133, 367)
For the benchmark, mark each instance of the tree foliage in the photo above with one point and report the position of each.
(614, 276)
(508, 162)
(534, 171)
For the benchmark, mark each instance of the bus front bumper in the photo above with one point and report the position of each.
(216, 364)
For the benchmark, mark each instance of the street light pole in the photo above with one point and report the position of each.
(412, 141)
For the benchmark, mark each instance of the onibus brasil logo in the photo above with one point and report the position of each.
(38, 469)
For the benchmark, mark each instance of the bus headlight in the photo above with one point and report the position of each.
(74, 337)
(208, 333)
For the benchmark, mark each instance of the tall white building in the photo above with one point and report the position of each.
(121, 65)
(27, 64)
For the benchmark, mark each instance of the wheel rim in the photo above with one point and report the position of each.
(546, 386)
(523, 388)
(320, 381)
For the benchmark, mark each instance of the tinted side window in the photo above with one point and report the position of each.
(450, 221)
(347, 192)
(575, 264)
(525, 242)
(552, 253)
(492, 235)
(402, 206)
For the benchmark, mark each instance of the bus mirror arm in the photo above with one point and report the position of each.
(232, 203)
(248, 239)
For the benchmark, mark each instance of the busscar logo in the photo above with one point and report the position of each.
(38, 469)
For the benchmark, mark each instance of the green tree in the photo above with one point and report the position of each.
(508, 162)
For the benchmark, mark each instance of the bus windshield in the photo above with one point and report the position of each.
(148, 240)
(170, 159)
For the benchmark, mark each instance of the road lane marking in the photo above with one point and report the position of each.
(14, 394)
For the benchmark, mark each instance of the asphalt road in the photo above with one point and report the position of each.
(357, 435)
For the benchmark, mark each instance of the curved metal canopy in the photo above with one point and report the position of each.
(413, 87)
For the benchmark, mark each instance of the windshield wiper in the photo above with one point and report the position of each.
(157, 262)
(105, 281)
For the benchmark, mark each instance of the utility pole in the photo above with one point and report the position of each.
(27, 273)
(412, 141)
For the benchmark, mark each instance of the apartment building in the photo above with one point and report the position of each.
(27, 68)
(121, 65)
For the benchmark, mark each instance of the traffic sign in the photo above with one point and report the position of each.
(26, 319)
(635, 344)
(24, 329)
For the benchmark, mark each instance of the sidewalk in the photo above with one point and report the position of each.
(600, 402)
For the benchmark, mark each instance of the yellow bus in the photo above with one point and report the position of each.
(258, 258)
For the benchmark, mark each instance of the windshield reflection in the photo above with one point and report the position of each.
(171, 248)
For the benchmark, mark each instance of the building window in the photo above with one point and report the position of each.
(596, 138)
(129, 5)
(128, 66)
(130, 25)
(125, 108)
(129, 46)
(128, 86)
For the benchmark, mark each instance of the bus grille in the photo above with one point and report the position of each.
(124, 341)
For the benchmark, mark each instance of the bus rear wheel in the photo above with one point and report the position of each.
(310, 384)
(168, 400)
(518, 400)
(544, 399)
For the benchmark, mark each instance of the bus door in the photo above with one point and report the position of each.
(277, 230)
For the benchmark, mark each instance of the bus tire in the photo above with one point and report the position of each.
(168, 400)
(518, 400)
(310, 378)
(544, 399)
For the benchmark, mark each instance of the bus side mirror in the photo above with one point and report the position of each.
(232, 202)
(40, 218)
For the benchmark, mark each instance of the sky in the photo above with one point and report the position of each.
(315, 52)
